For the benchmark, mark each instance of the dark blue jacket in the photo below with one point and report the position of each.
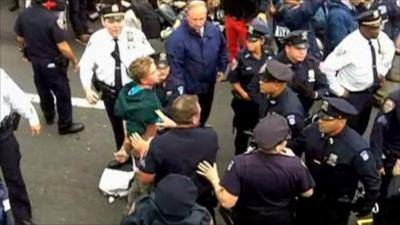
(341, 22)
(195, 60)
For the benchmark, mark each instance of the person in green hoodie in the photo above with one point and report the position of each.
(137, 103)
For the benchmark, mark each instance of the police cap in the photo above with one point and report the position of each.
(175, 195)
(162, 60)
(271, 130)
(370, 18)
(113, 10)
(277, 70)
(336, 107)
(298, 38)
(257, 29)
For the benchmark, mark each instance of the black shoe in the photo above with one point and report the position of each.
(73, 128)
(13, 7)
(50, 121)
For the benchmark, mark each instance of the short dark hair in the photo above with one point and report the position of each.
(184, 108)
(140, 68)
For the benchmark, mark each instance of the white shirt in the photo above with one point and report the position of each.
(349, 66)
(13, 99)
(97, 55)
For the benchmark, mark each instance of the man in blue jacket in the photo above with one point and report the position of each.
(197, 53)
(341, 22)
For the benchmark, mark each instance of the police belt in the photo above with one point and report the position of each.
(108, 92)
(8, 125)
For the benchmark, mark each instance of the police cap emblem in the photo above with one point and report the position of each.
(388, 106)
(324, 106)
(364, 156)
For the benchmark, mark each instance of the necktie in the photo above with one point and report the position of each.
(374, 69)
(117, 72)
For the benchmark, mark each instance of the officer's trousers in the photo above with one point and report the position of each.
(362, 101)
(205, 102)
(50, 79)
(10, 157)
(244, 120)
(116, 122)
(78, 16)
(315, 211)
(388, 208)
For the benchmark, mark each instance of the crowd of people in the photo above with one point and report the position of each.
(305, 76)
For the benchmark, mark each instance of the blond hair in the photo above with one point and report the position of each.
(140, 68)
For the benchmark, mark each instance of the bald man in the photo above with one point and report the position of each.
(197, 53)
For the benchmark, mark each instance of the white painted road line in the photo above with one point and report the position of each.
(76, 102)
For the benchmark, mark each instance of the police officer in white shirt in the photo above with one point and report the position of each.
(13, 103)
(357, 66)
(105, 61)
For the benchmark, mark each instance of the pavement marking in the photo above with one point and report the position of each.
(76, 102)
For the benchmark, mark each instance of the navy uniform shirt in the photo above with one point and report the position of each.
(179, 150)
(286, 104)
(338, 163)
(390, 13)
(38, 26)
(307, 80)
(245, 66)
(290, 18)
(267, 181)
(166, 94)
(385, 135)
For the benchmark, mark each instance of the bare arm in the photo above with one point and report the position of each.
(67, 52)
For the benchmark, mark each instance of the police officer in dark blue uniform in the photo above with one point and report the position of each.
(166, 92)
(385, 142)
(297, 15)
(390, 14)
(338, 158)
(308, 81)
(261, 185)
(244, 68)
(45, 44)
(276, 96)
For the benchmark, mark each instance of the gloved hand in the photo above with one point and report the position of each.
(363, 206)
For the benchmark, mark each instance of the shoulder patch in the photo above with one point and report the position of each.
(291, 119)
(388, 105)
(340, 53)
(230, 166)
(364, 156)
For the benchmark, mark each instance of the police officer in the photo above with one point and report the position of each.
(358, 64)
(45, 44)
(390, 13)
(166, 92)
(297, 15)
(276, 96)
(105, 61)
(243, 69)
(385, 142)
(261, 185)
(12, 101)
(308, 82)
(338, 158)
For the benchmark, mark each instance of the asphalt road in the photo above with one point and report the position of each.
(62, 172)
